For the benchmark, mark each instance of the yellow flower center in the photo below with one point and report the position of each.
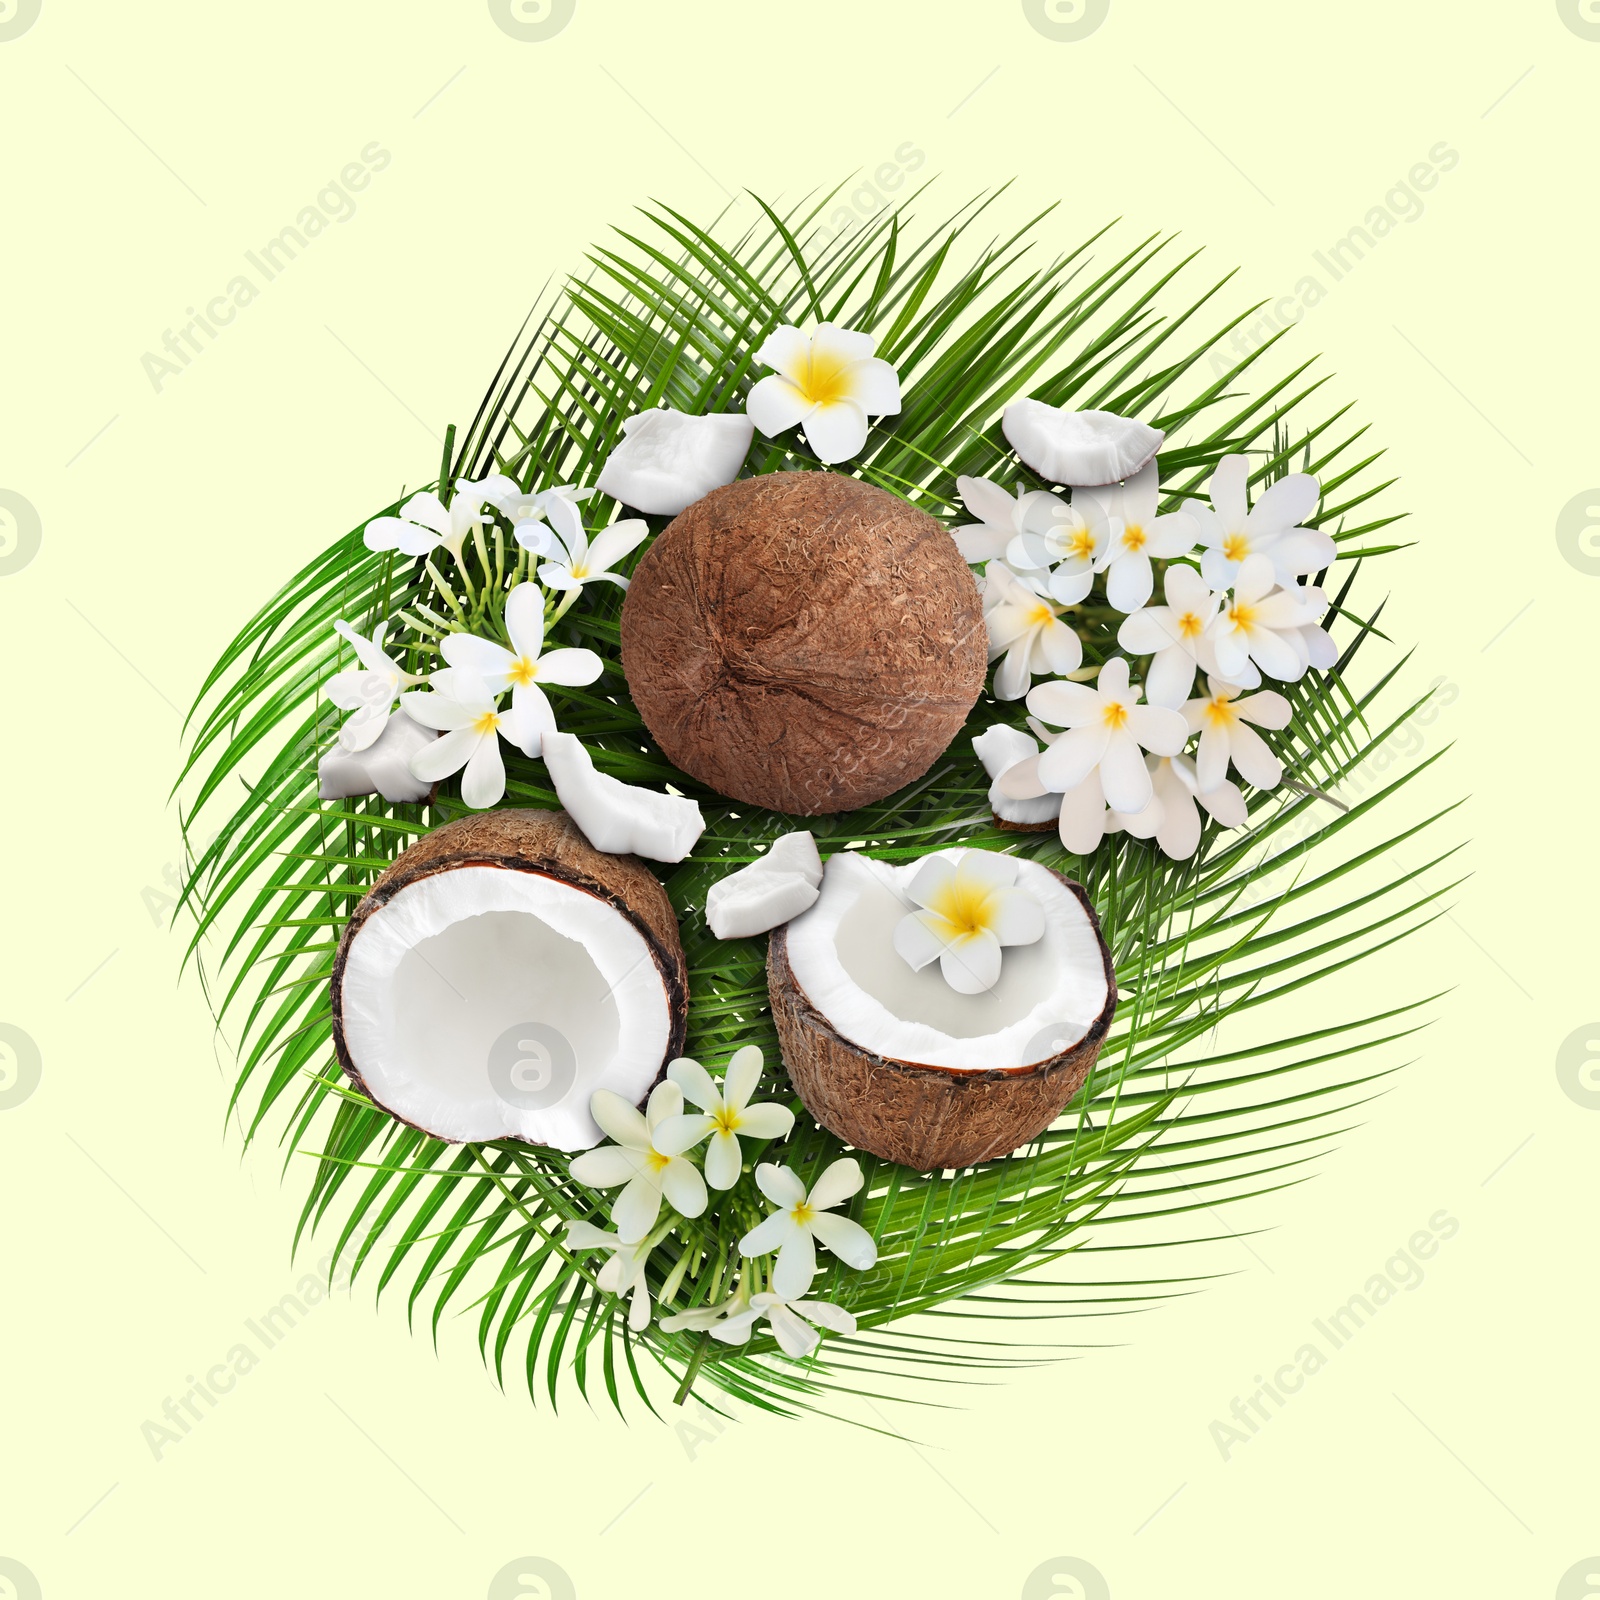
(1040, 615)
(1190, 623)
(803, 1213)
(1220, 712)
(963, 907)
(826, 379)
(727, 1120)
(1115, 714)
(486, 723)
(656, 1161)
(1242, 616)
(1133, 537)
(522, 671)
(1235, 546)
(1081, 544)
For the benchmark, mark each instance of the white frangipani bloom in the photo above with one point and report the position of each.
(623, 1273)
(1003, 518)
(725, 1113)
(1106, 728)
(522, 669)
(706, 1319)
(369, 693)
(425, 526)
(971, 907)
(460, 707)
(805, 1219)
(544, 519)
(1263, 624)
(1134, 533)
(1223, 721)
(791, 1322)
(587, 561)
(1178, 794)
(1232, 530)
(1083, 817)
(829, 381)
(1175, 635)
(1025, 628)
(646, 1173)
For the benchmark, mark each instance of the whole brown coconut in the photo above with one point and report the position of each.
(803, 641)
(930, 1118)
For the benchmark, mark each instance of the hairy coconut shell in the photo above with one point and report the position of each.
(547, 842)
(928, 1118)
(804, 641)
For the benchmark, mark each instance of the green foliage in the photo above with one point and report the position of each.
(1170, 1123)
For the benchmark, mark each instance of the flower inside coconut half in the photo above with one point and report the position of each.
(895, 1060)
(499, 973)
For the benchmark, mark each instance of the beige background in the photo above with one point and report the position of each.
(1445, 1450)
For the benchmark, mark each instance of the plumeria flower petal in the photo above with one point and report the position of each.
(725, 1114)
(1231, 530)
(1004, 520)
(793, 1231)
(647, 1174)
(1223, 720)
(1261, 625)
(1025, 628)
(426, 525)
(370, 693)
(1106, 728)
(1174, 634)
(828, 381)
(624, 1273)
(971, 908)
(591, 562)
(1134, 532)
(463, 709)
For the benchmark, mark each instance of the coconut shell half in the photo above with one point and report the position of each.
(501, 970)
(924, 1116)
(804, 641)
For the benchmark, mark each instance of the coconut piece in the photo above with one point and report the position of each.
(1083, 449)
(898, 1063)
(803, 641)
(780, 885)
(667, 459)
(1000, 749)
(619, 818)
(499, 972)
(383, 768)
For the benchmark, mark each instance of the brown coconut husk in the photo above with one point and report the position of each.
(547, 842)
(925, 1117)
(804, 641)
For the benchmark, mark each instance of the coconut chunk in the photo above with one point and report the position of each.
(499, 973)
(619, 818)
(668, 459)
(897, 1062)
(1082, 449)
(778, 887)
(383, 768)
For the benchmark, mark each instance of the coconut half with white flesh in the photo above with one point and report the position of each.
(499, 972)
(895, 1061)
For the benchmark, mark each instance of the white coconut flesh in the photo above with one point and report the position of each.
(485, 1003)
(842, 956)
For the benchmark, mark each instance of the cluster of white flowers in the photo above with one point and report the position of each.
(1235, 608)
(651, 1163)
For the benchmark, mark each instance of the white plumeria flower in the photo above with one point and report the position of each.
(971, 907)
(1048, 534)
(1002, 519)
(1178, 794)
(724, 1115)
(1175, 635)
(1026, 628)
(1260, 627)
(1083, 818)
(791, 1323)
(624, 1273)
(829, 381)
(646, 1173)
(522, 669)
(1106, 728)
(705, 1319)
(425, 526)
(1223, 721)
(545, 520)
(1126, 515)
(590, 562)
(369, 693)
(1232, 530)
(460, 706)
(803, 1220)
